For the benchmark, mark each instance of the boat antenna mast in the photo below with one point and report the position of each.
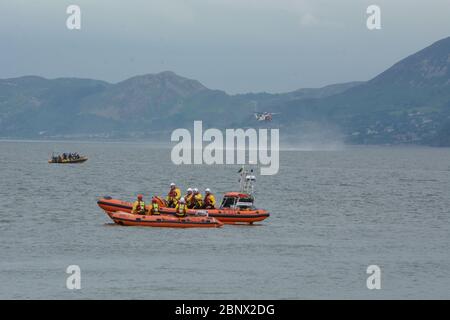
(247, 181)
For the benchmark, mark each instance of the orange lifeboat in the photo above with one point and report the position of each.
(236, 208)
(163, 220)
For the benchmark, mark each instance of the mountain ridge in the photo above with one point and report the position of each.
(407, 103)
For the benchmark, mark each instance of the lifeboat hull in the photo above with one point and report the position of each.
(81, 160)
(162, 221)
(227, 216)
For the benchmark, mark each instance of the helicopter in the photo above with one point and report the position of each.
(265, 116)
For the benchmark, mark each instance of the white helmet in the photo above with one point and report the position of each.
(189, 190)
(182, 200)
(195, 190)
(172, 184)
(208, 190)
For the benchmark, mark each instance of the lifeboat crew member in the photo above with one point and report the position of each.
(155, 207)
(138, 206)
(197, 199)
(188, 198)
(209, 201)
(174, 196)
(181, 208)
(188, 193)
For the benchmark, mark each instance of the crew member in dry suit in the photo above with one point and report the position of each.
(189, 198)
(139, 206)
(210, 201)
(174, 196)
(197, 199)
(181, 208)
(155, 207)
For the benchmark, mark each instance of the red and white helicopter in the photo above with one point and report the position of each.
(265, 116)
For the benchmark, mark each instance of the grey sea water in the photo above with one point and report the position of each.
(333, 213)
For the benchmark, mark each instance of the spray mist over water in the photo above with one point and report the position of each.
(312, 137)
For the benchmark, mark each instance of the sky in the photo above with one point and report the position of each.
(237, 46)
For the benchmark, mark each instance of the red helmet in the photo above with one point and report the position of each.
(153, 200)
(140, 196)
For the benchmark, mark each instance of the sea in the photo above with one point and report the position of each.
(335, 213)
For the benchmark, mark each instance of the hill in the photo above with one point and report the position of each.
(407, 103)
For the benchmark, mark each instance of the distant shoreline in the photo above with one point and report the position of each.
(285, 148)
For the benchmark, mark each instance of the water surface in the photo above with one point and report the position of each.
(333, 213)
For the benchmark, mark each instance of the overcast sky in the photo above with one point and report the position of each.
(234, 45)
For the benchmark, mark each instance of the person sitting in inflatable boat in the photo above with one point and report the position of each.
(139, 206)
(210, 201)
(155, 207)
(197, 199)
(174, 196)
(181, 208)
(188, 198)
